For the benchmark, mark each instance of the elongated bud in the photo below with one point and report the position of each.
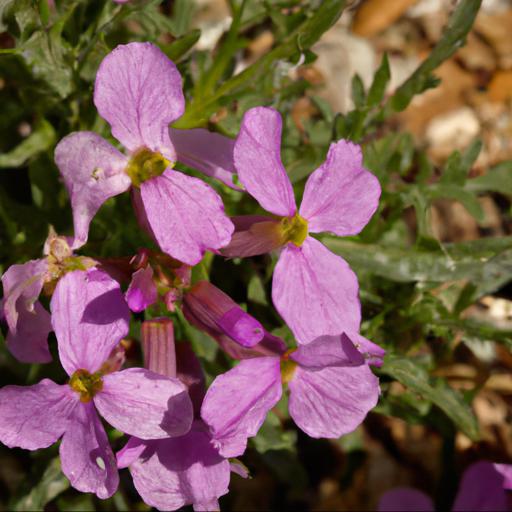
(210, 309)
(158, 346)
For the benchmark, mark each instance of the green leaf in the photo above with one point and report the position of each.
(51, 485)
(466, 198)
(179, 47)
(379, 84)
(256, 291)
(272, 436)
(454, 36)
(436, 390)
(198, 112)
(41, 139)
(480, 261)
(358, 93)
(497, 179)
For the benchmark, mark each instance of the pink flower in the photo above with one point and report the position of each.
(138, 91)
(29, 323)
(171, 473)
(331, 391)
(314, 290)
(482, 489)
(90, 317)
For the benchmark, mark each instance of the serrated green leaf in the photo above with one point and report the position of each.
(497, 179)
(358, 93)
(41, 139)
(437, 391)
(466, 198)
(51, 485)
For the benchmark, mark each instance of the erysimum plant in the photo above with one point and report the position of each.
(228, 283)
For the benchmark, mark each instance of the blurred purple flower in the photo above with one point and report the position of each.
(90, 317)
(331, 390)
(481, 490)
(28, 322)
(314, 290)
(138, 91)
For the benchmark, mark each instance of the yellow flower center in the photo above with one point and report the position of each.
(288, 367)
(294, 229)
(86, 384)
(146, 164)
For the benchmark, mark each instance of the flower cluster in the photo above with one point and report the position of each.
(183, 438)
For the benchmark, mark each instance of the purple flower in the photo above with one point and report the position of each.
(211, 310)
(90, 317)
(481, 489)
(28, 322)
(314, 290)
(171, 473)
(138, 91)
(331, 391)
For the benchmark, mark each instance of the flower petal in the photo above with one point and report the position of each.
(373, 354)
(333, 401)
(142, 291)
(29, 342)
(238, 401)
(340, 196)
(131, 451)
(93, 171)
(180, 471)
(34, 417)
(86, 457)
(90, 317)
(138, 90)
(144, 404)
(22, 285)
(186, 216)
(208, 152)
(257, 156)
(315, 291)
(481, 489)
(506, 472)
(404, 499)
(328, 351)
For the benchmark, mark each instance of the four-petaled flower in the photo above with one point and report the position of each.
(90, 317)
(138, 91)
(314, 290)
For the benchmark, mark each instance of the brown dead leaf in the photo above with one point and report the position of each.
(376, 15)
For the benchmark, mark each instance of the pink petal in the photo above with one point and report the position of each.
(328, 351)
(481, 489)
(340, 196)
(257, 156)
(22, 285)
(333, 401)
(254, 235)
(208, 152)
(142, 291)
(180, 471)
(191, 374)
(403, 499)
(131, 451)
(144, 404)
(138, 91)
(86, 457)
(29, 342)
(238, 401)
(373, 354)
(34, 417)
(93, 171)
(90, 317)
(186, 216)
(506, 471)
(315, 291)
